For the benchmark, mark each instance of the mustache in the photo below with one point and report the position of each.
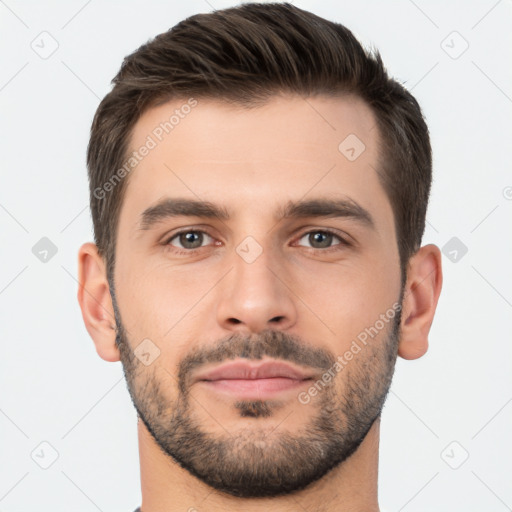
(271, 343)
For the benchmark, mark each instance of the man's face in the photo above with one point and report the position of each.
(254, 286)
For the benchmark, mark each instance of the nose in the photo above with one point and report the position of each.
(256, 295)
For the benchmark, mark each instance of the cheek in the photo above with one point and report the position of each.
(157, 301)
(160, 301)
(349, 296)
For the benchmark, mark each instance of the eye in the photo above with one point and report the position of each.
(188, 239)
(322, 239)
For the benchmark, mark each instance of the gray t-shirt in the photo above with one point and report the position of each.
(138, 510)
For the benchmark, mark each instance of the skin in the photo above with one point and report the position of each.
(251, 162)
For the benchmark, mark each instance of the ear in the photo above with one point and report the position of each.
(421, 293)
(96, 302)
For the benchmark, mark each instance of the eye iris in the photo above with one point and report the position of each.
(321, 237)
(191, 237)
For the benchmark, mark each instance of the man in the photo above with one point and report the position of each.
(259, 187)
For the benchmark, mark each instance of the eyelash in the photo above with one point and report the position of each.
(178, 251)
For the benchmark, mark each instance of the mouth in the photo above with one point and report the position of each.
(254, 380)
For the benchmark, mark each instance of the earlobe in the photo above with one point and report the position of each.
(96, 302)
(421, 294)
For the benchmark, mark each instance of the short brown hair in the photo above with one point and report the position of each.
(244, 55)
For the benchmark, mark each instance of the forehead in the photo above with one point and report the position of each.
(251, 160)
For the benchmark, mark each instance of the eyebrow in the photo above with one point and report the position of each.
(321, 207)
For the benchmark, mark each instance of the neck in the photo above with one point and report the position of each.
(167, 487)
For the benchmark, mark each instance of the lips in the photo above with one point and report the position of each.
(243, 370)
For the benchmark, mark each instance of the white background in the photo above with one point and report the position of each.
(54, 388)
